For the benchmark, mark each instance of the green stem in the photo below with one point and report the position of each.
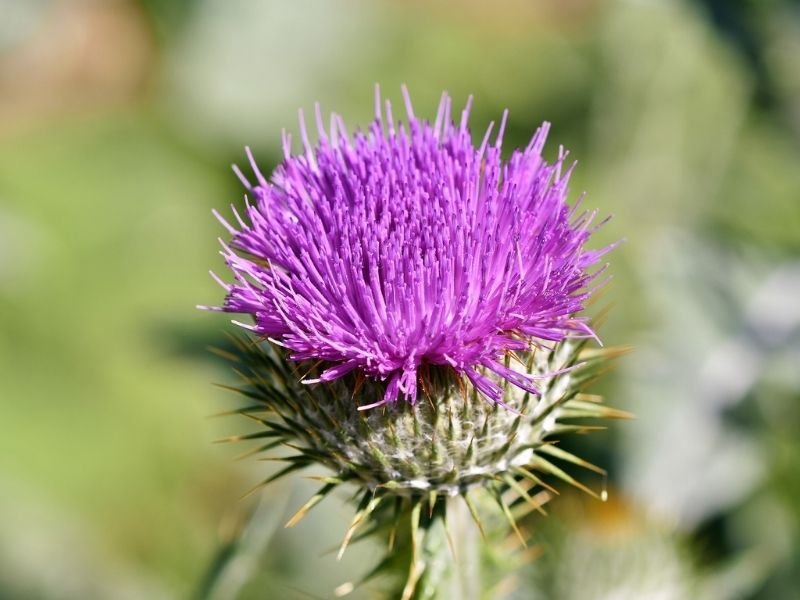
(466, 541)
(448, 557)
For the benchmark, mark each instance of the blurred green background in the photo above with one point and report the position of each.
(118, 120)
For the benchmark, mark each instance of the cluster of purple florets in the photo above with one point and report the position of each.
(407, 245)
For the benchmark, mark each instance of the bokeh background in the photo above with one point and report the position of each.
(118, 122)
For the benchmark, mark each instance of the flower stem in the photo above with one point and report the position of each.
(446, 562)
(465, 574)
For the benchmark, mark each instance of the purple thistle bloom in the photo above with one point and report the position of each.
(406, 245)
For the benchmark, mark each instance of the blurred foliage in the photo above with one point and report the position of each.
(118, 119)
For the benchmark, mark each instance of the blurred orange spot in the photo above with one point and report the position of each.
(84, 56)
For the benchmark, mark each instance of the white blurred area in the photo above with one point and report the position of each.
(687, 460)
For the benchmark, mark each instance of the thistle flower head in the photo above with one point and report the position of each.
(405, 248)
(404, 261)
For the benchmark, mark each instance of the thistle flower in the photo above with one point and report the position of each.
(406, 246)
(405, 262)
